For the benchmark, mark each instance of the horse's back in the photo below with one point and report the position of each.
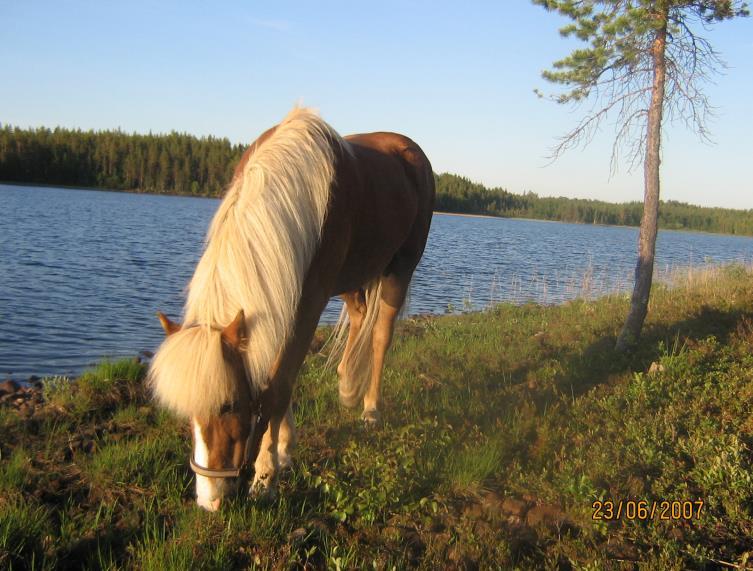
(401, 149)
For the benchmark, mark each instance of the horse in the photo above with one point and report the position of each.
(308, 215)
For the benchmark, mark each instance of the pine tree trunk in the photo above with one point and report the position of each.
(644, 270)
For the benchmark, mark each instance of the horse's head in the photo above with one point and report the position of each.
(201, 374)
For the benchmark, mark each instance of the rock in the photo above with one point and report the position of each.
(146, 354)
(9, 387)
(33, 379)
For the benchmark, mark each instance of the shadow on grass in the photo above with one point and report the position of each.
(599, 362)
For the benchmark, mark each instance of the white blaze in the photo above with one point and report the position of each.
(207, 494)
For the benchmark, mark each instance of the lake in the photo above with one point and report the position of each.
(83, 271)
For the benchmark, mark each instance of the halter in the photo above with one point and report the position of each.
(231, 472)
(256, 417)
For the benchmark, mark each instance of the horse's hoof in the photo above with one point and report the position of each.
(262, 495)
(262, 490)
(371, 418)
(285, 461)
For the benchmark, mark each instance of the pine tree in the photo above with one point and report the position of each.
(644, 62)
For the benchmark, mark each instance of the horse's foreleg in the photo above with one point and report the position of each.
(267, 462)
(287, 440)
(279, 439)
(275, 453)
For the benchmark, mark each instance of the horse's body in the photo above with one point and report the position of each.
(308, 215)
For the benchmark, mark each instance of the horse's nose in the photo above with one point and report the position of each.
(209, 505)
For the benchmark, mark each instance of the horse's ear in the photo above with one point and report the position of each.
(235, 333)
(169, 326)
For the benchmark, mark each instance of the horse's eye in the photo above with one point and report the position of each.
(226, 408)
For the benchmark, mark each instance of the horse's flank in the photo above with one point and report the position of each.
(259, 247)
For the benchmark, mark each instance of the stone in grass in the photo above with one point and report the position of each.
(9, 387)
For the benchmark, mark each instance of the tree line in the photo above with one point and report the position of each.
(459, 194)
(170, 164)
(178, 163)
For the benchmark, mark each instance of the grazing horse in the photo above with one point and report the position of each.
(308, 215)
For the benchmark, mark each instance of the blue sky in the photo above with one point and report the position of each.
(456, 77)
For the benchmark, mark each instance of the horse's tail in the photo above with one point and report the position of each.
(356, 374)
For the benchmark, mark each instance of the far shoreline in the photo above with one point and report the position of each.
(464, 214)
(102, 189)
(597, 224)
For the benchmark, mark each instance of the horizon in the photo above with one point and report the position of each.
(231, 72)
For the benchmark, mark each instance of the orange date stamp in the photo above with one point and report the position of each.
(666, 510)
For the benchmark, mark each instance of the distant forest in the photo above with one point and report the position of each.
(183, 164)
(171, 164)
(458, 194)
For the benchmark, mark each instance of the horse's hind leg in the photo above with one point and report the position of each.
(394, 291)
(355, 305)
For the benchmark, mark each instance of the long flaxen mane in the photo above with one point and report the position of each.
(258, 249)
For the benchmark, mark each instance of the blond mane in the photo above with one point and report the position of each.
(258, 249)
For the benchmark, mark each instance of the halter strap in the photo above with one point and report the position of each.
(202, 471)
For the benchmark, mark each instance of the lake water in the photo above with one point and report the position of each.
(83, 272)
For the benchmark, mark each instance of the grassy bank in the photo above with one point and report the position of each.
(501, 430)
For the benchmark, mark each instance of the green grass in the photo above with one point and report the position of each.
(24, 528)
(524, 406)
